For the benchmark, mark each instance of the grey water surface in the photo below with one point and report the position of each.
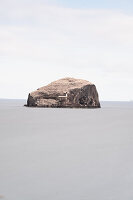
(66, 154)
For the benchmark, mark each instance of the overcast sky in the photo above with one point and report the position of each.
(41, 41)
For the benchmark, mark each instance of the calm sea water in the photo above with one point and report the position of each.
(66, 154)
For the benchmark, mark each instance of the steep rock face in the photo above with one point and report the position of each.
(66, 92)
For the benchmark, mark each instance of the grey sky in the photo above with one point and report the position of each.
(42, 41)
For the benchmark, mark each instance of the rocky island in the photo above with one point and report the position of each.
(65, 93)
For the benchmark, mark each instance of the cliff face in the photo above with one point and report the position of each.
(66, 92)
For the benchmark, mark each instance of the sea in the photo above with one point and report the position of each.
(66, 154)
